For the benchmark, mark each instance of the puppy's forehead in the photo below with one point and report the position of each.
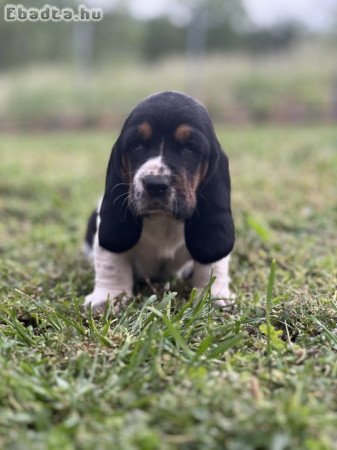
(168, 110)
(180, 131)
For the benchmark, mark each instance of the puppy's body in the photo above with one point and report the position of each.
(166, 208)
(161, 250)
(160, 253)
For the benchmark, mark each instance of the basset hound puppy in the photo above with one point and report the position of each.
(166, 207)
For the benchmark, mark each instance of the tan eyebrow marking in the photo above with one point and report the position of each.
(182, 133)
(145, 130)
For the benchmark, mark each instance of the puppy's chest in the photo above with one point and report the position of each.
(161, 242)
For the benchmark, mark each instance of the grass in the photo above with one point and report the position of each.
(236, 88)
(171, 372)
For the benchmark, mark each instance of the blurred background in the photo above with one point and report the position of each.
(248, 61)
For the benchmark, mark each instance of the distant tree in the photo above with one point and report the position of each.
(162, 38)
(279, 37)
(212, 24)
(24, 43)
(195, 25)
(118, 37)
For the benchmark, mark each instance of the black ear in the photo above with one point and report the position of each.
(209, 233)
(119, 229)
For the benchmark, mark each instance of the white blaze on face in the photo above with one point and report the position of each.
(154, 166)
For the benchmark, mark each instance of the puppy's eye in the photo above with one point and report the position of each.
(188, 150)
(137, 147)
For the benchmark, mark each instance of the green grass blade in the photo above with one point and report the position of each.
(271, 281)
(225, 346)
(204, 346)
(332, 336)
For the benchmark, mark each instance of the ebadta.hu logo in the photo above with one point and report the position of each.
(51, 13)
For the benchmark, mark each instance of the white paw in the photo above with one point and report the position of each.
(98, 298)
(223, 299)
(185, 271)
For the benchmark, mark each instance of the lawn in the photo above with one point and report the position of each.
(235, 88)
(171, 372)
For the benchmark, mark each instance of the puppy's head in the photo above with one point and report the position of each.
(166, 159)
(165, 146)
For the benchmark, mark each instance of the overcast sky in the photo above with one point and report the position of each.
(318, 14)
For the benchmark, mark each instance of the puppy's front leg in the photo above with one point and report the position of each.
(220, 288)
(113, 276)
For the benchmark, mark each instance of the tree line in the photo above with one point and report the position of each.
(204, 25)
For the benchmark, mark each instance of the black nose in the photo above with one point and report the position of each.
(156, 185)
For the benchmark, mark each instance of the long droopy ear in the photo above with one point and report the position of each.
(209, 233)
(119, 229)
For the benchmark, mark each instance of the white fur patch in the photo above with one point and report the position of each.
(220, 288)
(153, 166)
(113, 276)
(161, 250)
(88, 251)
